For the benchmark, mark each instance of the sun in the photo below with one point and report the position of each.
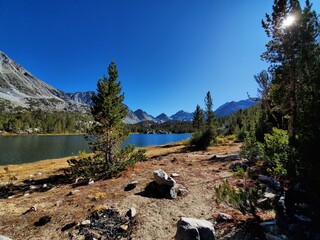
(288, 21)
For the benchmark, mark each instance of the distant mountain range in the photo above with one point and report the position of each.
(18, 87)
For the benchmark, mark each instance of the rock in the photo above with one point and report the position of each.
(32, 209)
(178, 190)
(270, 196)
(4, 238)
(124, 227)
(162, 178)
(131, 213)
(86, 222)
(235, 166)
(271, 182)
(214, 157)
(79, 179)
(91, 181)
(73, 192)
(194, 229)
(270, 227)
(42, 221)
(302, 218)
(175, 175)
(68, 226)
(44, 185)
(174, 160)
(131, 186)
(32, 187)
(223, 217)
(275, 237)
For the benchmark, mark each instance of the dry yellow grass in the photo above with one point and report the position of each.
(50, 166)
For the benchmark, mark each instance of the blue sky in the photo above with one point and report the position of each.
(169, 53)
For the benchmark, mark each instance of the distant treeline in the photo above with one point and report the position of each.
(166, 127)
(44, 122)
(38, 121)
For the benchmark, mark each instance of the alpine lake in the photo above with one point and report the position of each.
(26, 149)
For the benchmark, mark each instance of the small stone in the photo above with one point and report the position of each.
(132, 212)
(175, 175)
(214, 157)
(39, 173)
(32, 209)
(223, 217)
(174, 160)
(32, 187)
(86, 222)
(302, 218)
(78, 179)
(124, 227)
(131, 186)
(91, 181)
(44, 185)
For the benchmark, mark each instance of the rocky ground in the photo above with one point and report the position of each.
(62, 206)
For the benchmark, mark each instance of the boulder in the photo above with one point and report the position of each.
(194, 229)
(162, 178)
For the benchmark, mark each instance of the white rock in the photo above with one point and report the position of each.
(175, 175)
(194, 229)
(86, 222)
(162, 178)
(132, 212)
(91, 181)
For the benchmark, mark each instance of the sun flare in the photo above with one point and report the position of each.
(288, 21)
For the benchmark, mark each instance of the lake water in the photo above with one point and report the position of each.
(24, 149)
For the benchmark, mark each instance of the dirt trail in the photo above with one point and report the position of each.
(157, 218)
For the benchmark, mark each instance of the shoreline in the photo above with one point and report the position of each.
(47, 167)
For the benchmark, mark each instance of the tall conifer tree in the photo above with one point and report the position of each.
(109, 112)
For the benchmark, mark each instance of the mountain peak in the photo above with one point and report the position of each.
(21, 88)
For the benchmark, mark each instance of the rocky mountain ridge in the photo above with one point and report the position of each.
(18, 87)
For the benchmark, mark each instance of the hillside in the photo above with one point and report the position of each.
(18, 87)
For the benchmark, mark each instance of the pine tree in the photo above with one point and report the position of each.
(198, 119)
(293, 53)
(109, 112)
(210, 122)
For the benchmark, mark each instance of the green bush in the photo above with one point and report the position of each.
(202, 140)
(95, 167)
(243, 199)
(251, 149)
(276, 151)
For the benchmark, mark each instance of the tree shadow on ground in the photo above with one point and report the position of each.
(30, 185)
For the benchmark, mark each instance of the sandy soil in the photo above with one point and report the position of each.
(156, 218)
